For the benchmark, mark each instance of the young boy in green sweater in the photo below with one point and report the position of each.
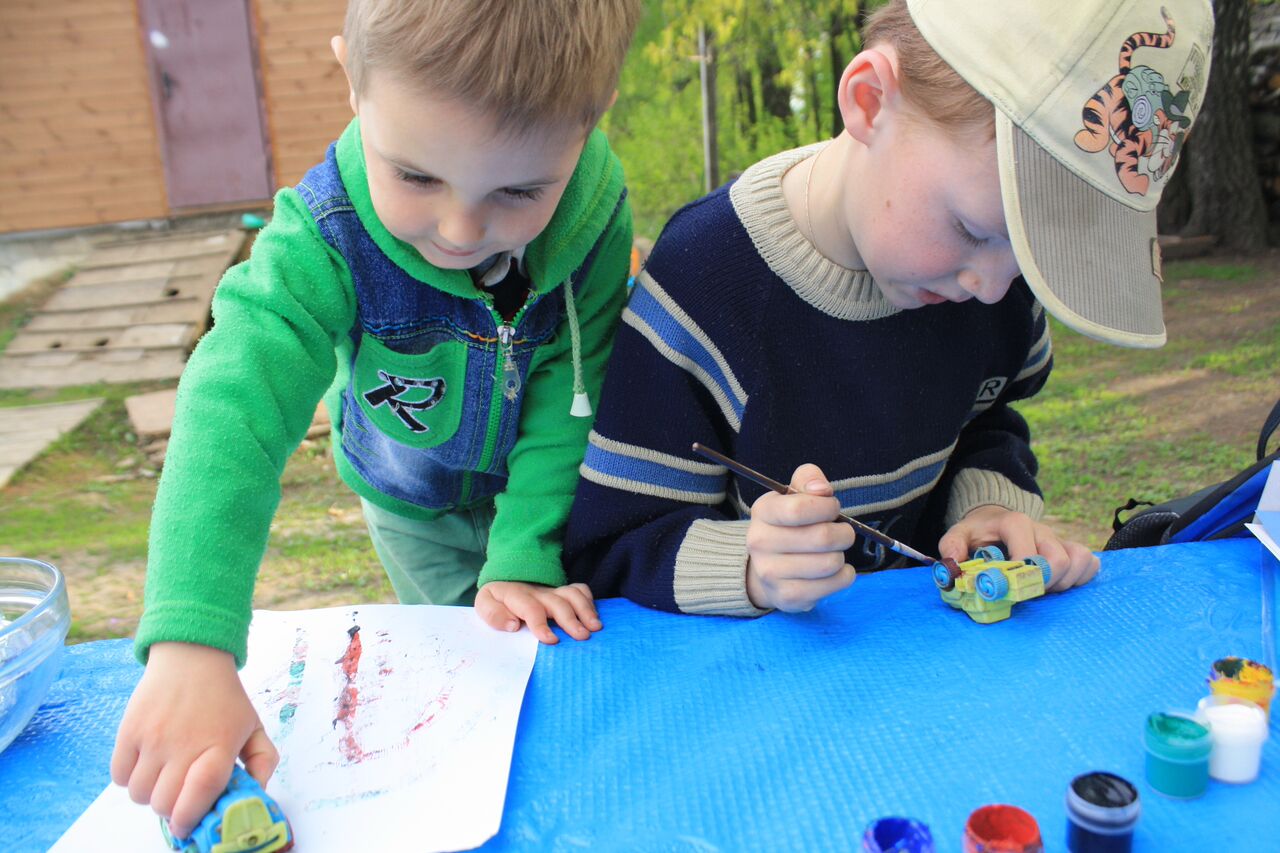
(447, 280)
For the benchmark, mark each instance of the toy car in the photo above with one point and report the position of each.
(987, 586)
(243, 820)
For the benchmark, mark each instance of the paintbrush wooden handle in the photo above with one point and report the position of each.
(783, 489)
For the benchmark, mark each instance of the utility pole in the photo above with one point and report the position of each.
(707, 68)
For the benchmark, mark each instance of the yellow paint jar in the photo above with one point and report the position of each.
(1244, 679)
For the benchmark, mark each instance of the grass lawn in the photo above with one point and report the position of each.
(1111, 424)
(1156, 424)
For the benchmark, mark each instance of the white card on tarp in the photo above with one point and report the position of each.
(395, 726)
(1266, 521)
(1270, 499)
(1265, 538)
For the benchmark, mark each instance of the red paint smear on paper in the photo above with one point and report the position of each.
(349, 698)
(440, 702)
(433, 708)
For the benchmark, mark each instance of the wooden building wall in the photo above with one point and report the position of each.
(77, 136)
(305, 89)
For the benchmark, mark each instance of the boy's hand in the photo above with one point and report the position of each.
(1072, 563)
(506, 604)
(795, 550)
(188, 720)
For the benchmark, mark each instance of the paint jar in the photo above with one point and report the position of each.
(1177, 755)
(897, 834)
(1002, 829)
(1238, 729)
(1244, 678)
(1102, 810)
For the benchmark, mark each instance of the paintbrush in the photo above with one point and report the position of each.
(783, 489)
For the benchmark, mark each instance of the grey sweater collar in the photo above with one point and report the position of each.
(757, 199)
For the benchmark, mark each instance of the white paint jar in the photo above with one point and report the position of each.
(1238, 729)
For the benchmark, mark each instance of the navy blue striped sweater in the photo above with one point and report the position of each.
(741, 336)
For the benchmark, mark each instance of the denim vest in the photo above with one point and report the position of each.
(432, 406)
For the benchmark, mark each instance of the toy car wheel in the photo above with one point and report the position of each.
(945, 573)
(990, 553)
(1045, 570)
(991, 585)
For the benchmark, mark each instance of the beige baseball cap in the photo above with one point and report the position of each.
(1093, 101)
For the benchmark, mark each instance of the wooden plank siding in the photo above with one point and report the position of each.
(306, 91)
(78, 143)
(78, 139)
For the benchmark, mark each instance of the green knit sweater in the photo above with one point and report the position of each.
(281, 339)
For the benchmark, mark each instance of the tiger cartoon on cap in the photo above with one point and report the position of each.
(1135, 115)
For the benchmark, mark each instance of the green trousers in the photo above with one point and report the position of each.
(431, 562)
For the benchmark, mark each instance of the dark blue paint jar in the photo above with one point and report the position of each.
(898, 834)
(1102, 810)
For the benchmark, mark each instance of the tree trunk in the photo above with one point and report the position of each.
(835, 33)
(746, 100)
(814, 98)
(1226, 194)
(777, 100)
(710, 150)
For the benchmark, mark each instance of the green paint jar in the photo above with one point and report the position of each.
(1178, 750)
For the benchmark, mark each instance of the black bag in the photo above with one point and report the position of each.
(1217, 512)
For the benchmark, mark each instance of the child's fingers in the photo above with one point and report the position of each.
(1050, 547)
(1018, 533)
(795, 596)
(1082, 554)
(123, 759)
(537, 622)
(825, 536)
(142, 781)
(165, 793)
(954, 545)
(580, 598)
(808, 479)
(779, 568)
(260, 756)
(1079, 566)
(794, 510)
(494, 612)
(533, 613)
(565, 614)
(206, 778)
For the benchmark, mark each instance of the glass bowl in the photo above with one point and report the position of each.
(34, 619)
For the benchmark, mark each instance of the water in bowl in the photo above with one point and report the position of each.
(34, 618)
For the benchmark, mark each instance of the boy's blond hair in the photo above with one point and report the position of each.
(527, 63)
(929, 85)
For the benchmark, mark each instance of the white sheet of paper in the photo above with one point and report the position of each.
(1266, 521)
(395, 726)
(1270, 499)
(1264, 537)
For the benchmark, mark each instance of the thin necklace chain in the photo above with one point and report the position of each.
(808, 180)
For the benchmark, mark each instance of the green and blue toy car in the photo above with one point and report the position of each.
(987, 586)
(243, 820)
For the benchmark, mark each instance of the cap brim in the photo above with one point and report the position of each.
(1091, 261)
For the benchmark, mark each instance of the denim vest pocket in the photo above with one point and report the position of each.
(414, 399)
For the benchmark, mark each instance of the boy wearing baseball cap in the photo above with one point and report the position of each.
(873, 304)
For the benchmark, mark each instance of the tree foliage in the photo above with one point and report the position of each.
(777, 66)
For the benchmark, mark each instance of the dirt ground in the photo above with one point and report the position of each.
(1205, 315)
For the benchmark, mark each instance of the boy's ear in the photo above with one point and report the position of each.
(868, 91)
(339, 46)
